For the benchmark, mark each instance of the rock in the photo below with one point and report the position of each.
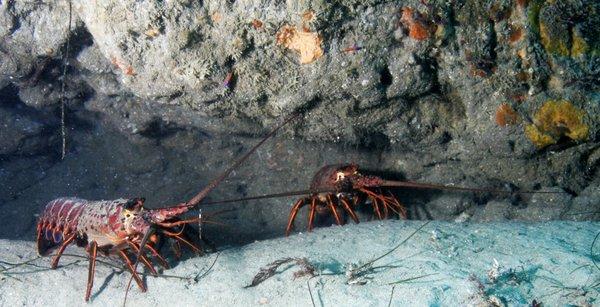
(449, 206)
(494, 211)
(24, 134)
(30, 30)
(545, 207)
(414, 90)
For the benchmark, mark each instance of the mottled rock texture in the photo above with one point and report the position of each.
(440, 91)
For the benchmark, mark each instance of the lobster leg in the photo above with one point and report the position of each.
(137, 278)
(162, 261)
(356, 200)
(299, 204)
(351, 212)
(311, 215)
(183, 240)
(376, 207)
(194, 233)
(401, 209)
(331, 206)
(93, 252)
(386, 209)
(61, 250)
(195, 247)
(176, 249)
(388, 202)
(375, 200)
(144, 259)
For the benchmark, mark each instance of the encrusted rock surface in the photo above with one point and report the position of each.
(478, 93)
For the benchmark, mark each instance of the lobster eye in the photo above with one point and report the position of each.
(130, 204)
(134, 204)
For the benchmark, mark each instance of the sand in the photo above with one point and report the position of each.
(443, 264)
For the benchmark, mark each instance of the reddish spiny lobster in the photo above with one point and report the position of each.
(121, 226)
(343, 187)
(340, 188)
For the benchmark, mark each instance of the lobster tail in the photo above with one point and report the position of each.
(44, 246)
(58, 219)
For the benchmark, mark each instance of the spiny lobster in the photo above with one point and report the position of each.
(344, 187)
(121, 226)
(339, 188)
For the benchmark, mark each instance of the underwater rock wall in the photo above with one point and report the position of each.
(479, 93)
(414, 72)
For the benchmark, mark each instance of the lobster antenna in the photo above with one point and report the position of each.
(385, 183)
(213, 184)
(420, 185)
(264, 196)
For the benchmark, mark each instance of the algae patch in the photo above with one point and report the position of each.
(554, 120)
(506, 115)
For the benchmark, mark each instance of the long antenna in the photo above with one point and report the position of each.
(432, 186)
(213, 184)
(264, 196)
(385, 183)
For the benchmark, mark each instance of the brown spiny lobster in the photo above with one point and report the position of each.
(339, 188)
(122, 226)
(342, 186)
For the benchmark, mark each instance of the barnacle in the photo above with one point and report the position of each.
(235, 48)
(127, 69)
(308, 44)
(554, 120)
(152, 32)
(216, 17)
(194, 71)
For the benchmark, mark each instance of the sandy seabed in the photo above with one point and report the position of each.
(442, 264)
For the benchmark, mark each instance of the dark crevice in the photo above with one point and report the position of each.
(492, 42)
(14, 18)
(9, 96)
(157, 128)
(309, 105)
(373, 141)
(80, 38)
(430, 68)
(385, 77)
